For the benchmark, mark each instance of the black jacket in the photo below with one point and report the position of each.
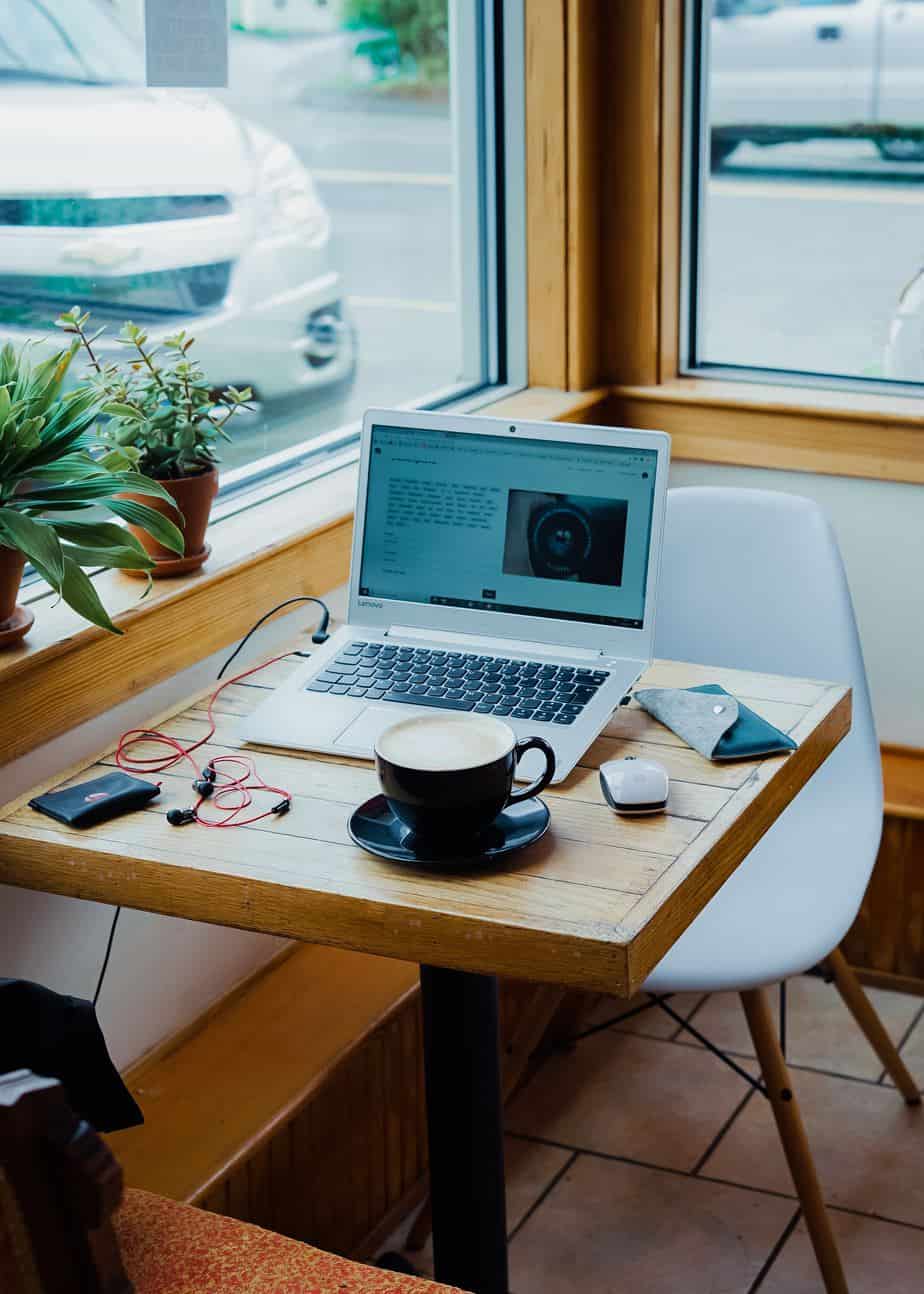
(59, 1037)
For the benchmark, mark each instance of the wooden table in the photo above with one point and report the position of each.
(594, 905)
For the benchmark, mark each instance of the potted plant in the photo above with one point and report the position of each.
(165, 421)
(51, 470)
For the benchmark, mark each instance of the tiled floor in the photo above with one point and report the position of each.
(639, 1163)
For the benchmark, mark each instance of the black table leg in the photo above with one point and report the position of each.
(465, 1122)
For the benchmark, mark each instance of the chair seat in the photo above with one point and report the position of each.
(171, 1248)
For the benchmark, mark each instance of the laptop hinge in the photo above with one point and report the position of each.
(472, 642)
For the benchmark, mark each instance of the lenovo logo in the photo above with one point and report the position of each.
(369, 602)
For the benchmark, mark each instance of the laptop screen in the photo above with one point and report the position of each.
(528, 527)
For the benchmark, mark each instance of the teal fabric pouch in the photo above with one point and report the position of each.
(714, 722)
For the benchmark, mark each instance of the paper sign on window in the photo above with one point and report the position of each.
(186, 42)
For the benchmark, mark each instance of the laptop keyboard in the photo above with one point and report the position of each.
(453, 680)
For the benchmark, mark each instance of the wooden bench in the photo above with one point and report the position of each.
(886, 942)
(296, 1103)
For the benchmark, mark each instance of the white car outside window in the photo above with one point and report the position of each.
(159, 206)
(784, 70)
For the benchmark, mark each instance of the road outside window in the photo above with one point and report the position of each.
(307, 225)
(807, 240)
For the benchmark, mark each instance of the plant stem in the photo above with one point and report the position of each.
(154, 370)
(85, 342)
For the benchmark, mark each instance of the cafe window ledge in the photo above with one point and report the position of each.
(790, 428)
(295, 542)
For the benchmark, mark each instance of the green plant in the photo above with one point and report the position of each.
(51, 465)
(163, 418)
(421, 29)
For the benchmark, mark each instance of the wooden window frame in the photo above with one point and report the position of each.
(809, 429)
(603, 157)
(67, 672)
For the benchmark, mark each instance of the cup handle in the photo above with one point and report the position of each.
(542, 781)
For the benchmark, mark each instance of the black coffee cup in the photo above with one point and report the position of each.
(448, 776)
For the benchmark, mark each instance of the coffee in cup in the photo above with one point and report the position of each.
(448, 776)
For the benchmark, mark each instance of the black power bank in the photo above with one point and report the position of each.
(97, 800)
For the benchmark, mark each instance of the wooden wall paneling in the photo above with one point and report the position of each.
(903, 781)
(304, 1218)
(360, 1153)
(887, 938)
(631, 225)
(258, 1188)
(546, 193)
(375, 1079)
(394, 1110)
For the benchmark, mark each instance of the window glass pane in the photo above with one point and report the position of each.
(317, 227)
(807, 237)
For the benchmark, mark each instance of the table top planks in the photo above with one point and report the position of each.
(593, 905)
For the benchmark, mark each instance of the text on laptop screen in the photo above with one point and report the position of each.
(528, 527)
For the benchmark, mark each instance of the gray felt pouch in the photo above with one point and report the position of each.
(713, 722)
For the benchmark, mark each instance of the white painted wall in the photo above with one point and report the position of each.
(163, 972)
(880, 529)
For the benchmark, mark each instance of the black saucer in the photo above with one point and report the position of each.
(374, 827)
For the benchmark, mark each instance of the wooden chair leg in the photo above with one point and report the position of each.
(863, 1011)
(535, 1022)
(792, 1135)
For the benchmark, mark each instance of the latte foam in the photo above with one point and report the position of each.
(445, 743)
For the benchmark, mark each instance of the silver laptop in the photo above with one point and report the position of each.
(498, 568)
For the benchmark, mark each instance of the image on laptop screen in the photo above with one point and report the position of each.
(528, 527)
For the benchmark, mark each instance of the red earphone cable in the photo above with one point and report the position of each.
(243, 785)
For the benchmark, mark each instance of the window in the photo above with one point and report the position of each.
(331, 228)
(805, 190)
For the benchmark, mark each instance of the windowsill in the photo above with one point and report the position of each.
(805, 429)
(67, 671)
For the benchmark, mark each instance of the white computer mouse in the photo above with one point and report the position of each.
(634, 786)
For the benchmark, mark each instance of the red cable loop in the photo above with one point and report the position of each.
(243, 785)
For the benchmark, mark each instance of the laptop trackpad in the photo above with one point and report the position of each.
(363, 731)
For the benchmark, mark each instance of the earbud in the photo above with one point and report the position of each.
(203, 786)
(282, 807)
(180, 817)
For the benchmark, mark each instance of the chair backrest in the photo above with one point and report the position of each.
(753, 579)
(59, 1186)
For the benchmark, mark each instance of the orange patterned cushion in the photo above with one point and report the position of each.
(171, 1248)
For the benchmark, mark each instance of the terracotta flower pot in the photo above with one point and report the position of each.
(11, 564)
(193, 496)
(15, 622)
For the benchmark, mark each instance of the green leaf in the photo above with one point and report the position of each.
(158, 526)
(140, 484)
(37, 539)
(72, 467)
(71, 493)
(78, 592)
(121, 459)
(98, 534)
(127, 411)
(117, 558)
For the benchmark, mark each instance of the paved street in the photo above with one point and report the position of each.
(386, 177)
(807, 247)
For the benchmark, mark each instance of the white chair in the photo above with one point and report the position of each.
(754, 579)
